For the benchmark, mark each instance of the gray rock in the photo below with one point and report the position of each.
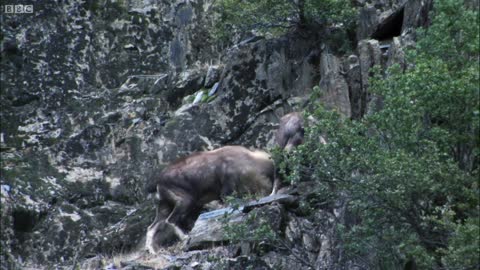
(280, 198)
(5, 189)
(209, 227)
(7, 234)
(92, 263)
(111, 267)
(367, 22)
(78, 142)
(219, 213)
(416, 14)
(214, 89)
(370, 55)
(396, 52)
(198, 97)
(293, 231)
(186, 83)
(388, 25)
(250, 40)
(384, 20)
(136, 85)
(208, 231)
(335, 92)
(213, 75)
(358, 97)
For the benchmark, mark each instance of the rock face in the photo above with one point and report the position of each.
(384, 31)
(98, 96)
(334, 84)
(83, 85)
(384, 19)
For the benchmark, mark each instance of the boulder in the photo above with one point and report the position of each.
(209, 229)
(358, 97)
(334, 87)
(416, 14)
(367, 20)
(378, 19)
(213, 75)
(396, 52)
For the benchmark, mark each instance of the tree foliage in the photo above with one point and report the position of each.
(409, 172)
(273, 17)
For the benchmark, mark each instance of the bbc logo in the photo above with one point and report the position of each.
(17, 9)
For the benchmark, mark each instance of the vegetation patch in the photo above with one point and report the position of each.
(409, 172)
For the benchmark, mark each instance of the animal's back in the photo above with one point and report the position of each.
(194, 174)
(248, 171)
(207, 175)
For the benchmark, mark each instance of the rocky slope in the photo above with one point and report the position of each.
(97, 96)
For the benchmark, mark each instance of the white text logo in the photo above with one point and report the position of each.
(17, 9)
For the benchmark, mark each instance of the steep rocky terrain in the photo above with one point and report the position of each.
(97, 96)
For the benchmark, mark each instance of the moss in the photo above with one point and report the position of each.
(210, 98)
(190, 99)
(204, 98)
(92, 5)
(171, 123)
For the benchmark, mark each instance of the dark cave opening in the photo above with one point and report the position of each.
(390, 27)
(23, 221)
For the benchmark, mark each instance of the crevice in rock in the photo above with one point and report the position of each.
(390, 27)
(23, 220)
(24, 223)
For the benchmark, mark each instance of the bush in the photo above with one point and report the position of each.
(275, 17)
(409, 172)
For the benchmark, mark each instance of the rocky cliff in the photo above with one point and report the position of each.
(97, 96)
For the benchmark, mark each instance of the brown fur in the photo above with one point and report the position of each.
(191, 182)
(291, 131)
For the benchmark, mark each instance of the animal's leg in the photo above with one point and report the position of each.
(150, 238)
(149, 242)
(179, 212)
(276, 182)
(227, 189)
(157, 218)
(276, 186)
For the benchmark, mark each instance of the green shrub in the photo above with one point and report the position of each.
(275, 17)
(410, 172)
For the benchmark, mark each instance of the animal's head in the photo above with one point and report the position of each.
(291, 131)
